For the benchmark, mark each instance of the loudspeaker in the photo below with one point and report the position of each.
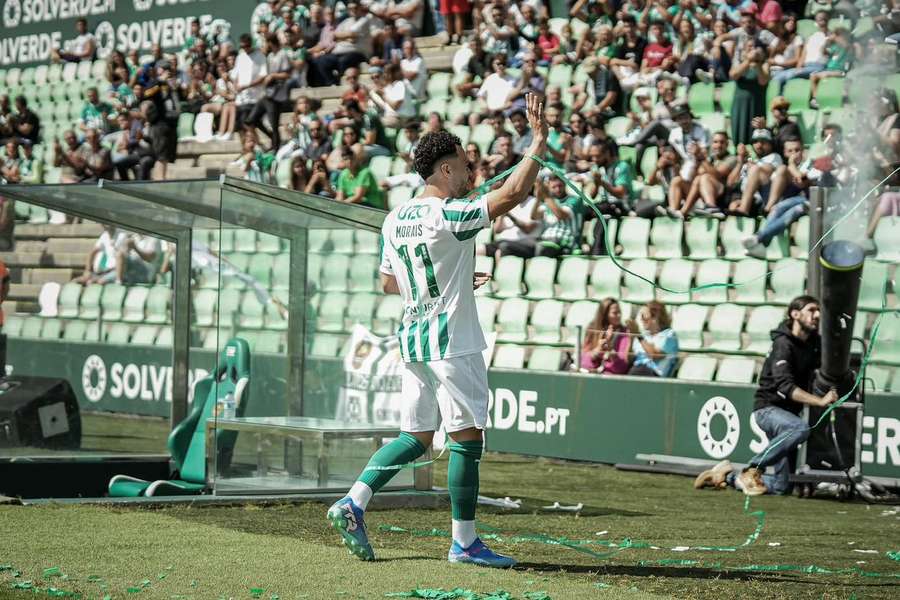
(39, 412)
(818, 455)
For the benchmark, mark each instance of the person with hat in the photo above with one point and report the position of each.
(783, 127)
(756, 175)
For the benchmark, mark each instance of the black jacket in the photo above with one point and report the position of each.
(790, 364)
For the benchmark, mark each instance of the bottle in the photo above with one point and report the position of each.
(228, 406)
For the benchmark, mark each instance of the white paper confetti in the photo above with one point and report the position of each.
(774, 544)
(681, 548)
(865, 551)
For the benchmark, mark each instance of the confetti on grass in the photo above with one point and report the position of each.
(462, 594)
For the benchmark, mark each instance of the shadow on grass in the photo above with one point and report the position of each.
(691, 573)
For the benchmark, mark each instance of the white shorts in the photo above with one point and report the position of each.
(453, 390)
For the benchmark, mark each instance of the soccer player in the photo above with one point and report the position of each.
(429, 259)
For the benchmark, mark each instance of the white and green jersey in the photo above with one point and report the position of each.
(429, 247)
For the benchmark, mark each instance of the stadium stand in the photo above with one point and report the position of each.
(535, 304)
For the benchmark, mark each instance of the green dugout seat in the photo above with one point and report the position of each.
(676, 274)
(332, 311)
(69, 296)
(245, 241)
(546, 321)
(31, 328)
(539, 275)
(145, 335)
(688, 321)
(187, 442)
(666, 236)
(877, 379)
(252, 312)
(135, 304)
(12, 325)
(90, 302)
(51, 329)
(760, 323)
(118, 333)
(159, 299)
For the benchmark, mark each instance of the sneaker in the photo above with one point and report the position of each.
(674, 214)
(749, 241)
(479, 554)
(750, 480)
(347, 519)
(629, 138)
(715, 477)
(757, 251)
(704, 76)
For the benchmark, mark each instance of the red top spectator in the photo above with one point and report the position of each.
(657, 52)
(547, 41)
(769, 13)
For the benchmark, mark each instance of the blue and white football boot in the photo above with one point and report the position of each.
(347, 519)
(479, 554)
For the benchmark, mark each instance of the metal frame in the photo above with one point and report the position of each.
(804, 470)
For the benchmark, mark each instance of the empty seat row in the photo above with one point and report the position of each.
(79, 330)
(731, 369)
(240, 240)
(114, 302)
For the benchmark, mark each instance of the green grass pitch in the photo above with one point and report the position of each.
(287, 551)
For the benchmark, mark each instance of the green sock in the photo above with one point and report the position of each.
(401, 451)
(462, 478)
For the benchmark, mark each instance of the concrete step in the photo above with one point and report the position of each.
(82, 245)
(73, 260)
(27, 246)
(42, 232)
(42, 276)
(23, 259)
(183, 172)
(193, 148)
(24, 291)
(22, 307)
(216, 160)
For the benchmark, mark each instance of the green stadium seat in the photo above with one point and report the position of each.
(69, 295)
(580, 314)
(12, 325)
(135, 303)
(74, 331)
(388, 315)
(788, 279)
(801, 237)
(281, 271)
(50, 328)
(342, 241)
(461, 131)
(331, 312)
(887, 239)
(895, 382)
(145, 335)
(726, 96)
(260, 268)
(616, 127)
(871, 289)
(325, 345)
(367, 242)
(512, 320)
(540, 273)
(487, 312)
(112, 301)
(701, 98)
(546, 322)
(637, 290)
(725, 324)
(274, 320)
(245, 241)
(735, 369)
(268, 342)
(459, 108)
(205, 302)
(714, 270)
(648, 161)
(334, 273)
(362, 276)
(688, 321)
(760, 323)
(750, 273)
(252, 312)
(509, 357)
(877, 379)
(544, 359)
(118, 333)
(806, 27)
(634, 234)
(185, 125)
(90, 302)
(702, 237)
(361, 309)
(676, 274)
(482, 135)
(268, 243)
(166, 337)
(779, 247)
(572, 278)
(665, 237)
(508, 276)
(714, 122)
(734, 230)
(697, 368)
(606, 278)
(229, 305)
(438, 85)
(380, 167)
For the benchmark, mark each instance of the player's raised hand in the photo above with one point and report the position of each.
(534, 112)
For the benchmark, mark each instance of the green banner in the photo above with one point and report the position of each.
(582, 417)
(32, 28)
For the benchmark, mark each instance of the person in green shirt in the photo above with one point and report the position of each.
(31, 168)
(563, 218)
(95, 114)
(191, 38)
(613, 177)
(358, 185)
(840, 54)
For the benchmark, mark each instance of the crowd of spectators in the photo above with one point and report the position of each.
(634, 61)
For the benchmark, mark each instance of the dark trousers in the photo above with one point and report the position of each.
(271, 110)
(655, 132)
(642, 371)
(139, 163)
(323, 68)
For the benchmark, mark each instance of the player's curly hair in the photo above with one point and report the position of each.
(432, 148)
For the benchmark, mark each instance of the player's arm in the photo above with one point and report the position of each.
(517, 186)
(389, 284)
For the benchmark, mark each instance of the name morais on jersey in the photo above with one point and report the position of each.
(429, 247)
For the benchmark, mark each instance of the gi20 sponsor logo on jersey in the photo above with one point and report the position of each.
(413, 211)
(509, 410)
(152, 383)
